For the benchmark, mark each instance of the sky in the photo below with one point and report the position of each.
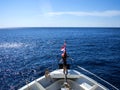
(59, 13)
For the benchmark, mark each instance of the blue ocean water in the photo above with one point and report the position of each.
(26, 52)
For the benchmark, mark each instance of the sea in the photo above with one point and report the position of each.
(25, 53)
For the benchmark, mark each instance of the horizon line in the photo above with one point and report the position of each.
(56, 27)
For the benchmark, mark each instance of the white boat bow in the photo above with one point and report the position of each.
(56, 81)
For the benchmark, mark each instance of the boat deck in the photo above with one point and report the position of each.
(56, 80)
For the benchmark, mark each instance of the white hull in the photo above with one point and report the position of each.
(56, 80)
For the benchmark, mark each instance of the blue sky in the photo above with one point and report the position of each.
(59, 13)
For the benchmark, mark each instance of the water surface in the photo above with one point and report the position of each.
(26, 52)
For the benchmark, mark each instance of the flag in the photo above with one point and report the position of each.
(63, 48)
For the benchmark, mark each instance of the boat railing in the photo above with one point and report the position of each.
(97, 78)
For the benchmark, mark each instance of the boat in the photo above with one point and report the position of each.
(65, 78)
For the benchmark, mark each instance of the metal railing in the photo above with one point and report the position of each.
(112, 86)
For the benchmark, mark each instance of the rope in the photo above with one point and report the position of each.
(98, 77)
